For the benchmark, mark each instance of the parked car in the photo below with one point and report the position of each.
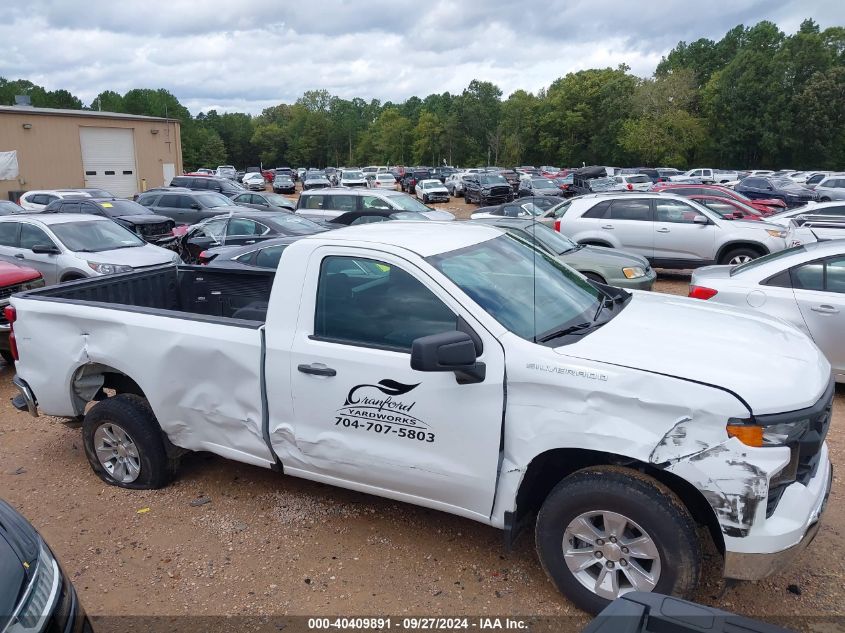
(315, 180)
(484, 189)
(728, 208)
(814, 178)
(13, 278)
(383, 180)
(803, 285)
(602, 265)
(411, 176)
(7, 207)
(187, 207)
(265, 201)
(705, 176)
(68, 246)
(284, 184)
(566, 185)
(326, 204)
(370, 216)
(766, 206)
(511, 176)
(442, 173)
(633, 182)
(242, 229)
(455, 184)
(431, 190)
(264, 254)
(820, 209)
(792, 194)
(207, 183)
(670, 231)
(591, 180)
(665, 173)
(580, 400)
(37, 200)
(520, 208)
(254, 181)
(831, 188)
(352, 178)
(150, 227)
(36, 594)
(226, 171)
(538, 187)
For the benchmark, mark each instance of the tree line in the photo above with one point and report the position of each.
(757, 98)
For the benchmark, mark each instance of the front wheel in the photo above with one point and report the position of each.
(604, 532)
(124, 444)
(825, 199)
(739, 256)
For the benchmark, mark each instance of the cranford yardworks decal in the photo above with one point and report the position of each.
(379, 409)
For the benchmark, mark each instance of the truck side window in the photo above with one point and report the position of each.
(372, 304)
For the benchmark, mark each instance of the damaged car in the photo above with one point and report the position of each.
(379, 355)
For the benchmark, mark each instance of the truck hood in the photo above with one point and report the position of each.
(603, 256)
(12, 274)
(137, 256)
(768, 363)
(146, 218)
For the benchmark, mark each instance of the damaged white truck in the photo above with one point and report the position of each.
(455, 367)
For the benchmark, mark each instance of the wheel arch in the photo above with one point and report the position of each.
(760, 249)
(549, 468)
(91, 379)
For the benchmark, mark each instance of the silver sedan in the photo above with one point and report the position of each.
(804, 285)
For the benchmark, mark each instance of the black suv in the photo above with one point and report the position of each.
(412, 177)
(486, 189)
(442, 173)
(155, 229)
(208, 183)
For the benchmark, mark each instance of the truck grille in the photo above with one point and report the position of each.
(498, 192)
(159, 229)
(7, 292)
(806, 449)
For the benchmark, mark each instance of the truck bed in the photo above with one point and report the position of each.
(210, 294)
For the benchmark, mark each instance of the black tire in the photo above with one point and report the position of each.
(825, 199)
(637, 497)
(134, 416)
(466, 198)
(6, 355)
(72, 278)
(594, 277)
(425, 199)
(740, 252)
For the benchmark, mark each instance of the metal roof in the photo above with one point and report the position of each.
(96, 114)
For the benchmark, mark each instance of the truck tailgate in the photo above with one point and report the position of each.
(202, 378)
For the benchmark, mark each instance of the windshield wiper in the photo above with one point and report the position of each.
(579, 328)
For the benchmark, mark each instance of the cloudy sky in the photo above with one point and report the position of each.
(246, 55)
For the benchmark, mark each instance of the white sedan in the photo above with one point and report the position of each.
(254, 180)
(803, 285)
(384, 180)
(431, 190)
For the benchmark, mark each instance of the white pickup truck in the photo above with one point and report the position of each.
(706, 176)
(454, 367)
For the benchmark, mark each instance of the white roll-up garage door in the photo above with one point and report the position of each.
(108, 158)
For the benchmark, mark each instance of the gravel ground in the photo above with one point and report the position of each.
(257, 543)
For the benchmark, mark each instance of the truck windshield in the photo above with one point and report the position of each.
(525, 289)
(93, 236)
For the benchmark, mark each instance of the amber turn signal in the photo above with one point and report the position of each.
(747, 434)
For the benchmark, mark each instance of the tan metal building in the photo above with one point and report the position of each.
(58, 149)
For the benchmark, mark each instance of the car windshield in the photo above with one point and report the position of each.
(352, 175)
(295, 224)
(525, 289)
(765, 259)
(430, 184)
(7, 206)
(638, 178)
(782, 182)
(407, 203)
(492, 180)
(543, 183)
(118, 208)
(93, 236)
(277, 200)
(385, 177)
(210, 200)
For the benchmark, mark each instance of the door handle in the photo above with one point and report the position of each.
(250, 242)
(607, 226)
(825, 309)
(19, 256)
(317, 369)
(663, 230)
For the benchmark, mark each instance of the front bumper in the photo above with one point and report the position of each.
(781, 528)
(640, 283)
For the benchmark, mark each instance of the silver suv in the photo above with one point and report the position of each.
(669, 230)
(327, 204)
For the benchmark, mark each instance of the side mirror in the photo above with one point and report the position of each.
(448, 351)
(45, 249)
(700, 219)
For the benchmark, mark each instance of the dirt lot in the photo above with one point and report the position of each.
(267, 544)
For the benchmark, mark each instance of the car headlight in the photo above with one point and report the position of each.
(40, 597)
(32, 285)
(632, 272)
(109, 269)
(770, 435)
(776, 232)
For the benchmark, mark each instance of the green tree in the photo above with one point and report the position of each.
(428, 138)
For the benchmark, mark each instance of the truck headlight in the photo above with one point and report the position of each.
(633, 272)
(40, 597)
(32, 285)
(109, 269)
(776, 232)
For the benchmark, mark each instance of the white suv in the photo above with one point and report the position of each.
(670, 231)
(37, 200)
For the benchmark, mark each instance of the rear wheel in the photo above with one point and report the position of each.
(604, 532)
(738, 256)
(124, 444)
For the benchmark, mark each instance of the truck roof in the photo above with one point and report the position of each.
(423, 238)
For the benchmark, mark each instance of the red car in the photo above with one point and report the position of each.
(13, 278)
(766, 206)
(729, 208)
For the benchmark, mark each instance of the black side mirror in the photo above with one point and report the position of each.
(45, 249)
(448, 351)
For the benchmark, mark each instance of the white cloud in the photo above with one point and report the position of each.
(245, 56)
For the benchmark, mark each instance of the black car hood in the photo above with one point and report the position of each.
(18, 545)
(146, 218)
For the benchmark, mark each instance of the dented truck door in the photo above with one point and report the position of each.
(361, 417)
